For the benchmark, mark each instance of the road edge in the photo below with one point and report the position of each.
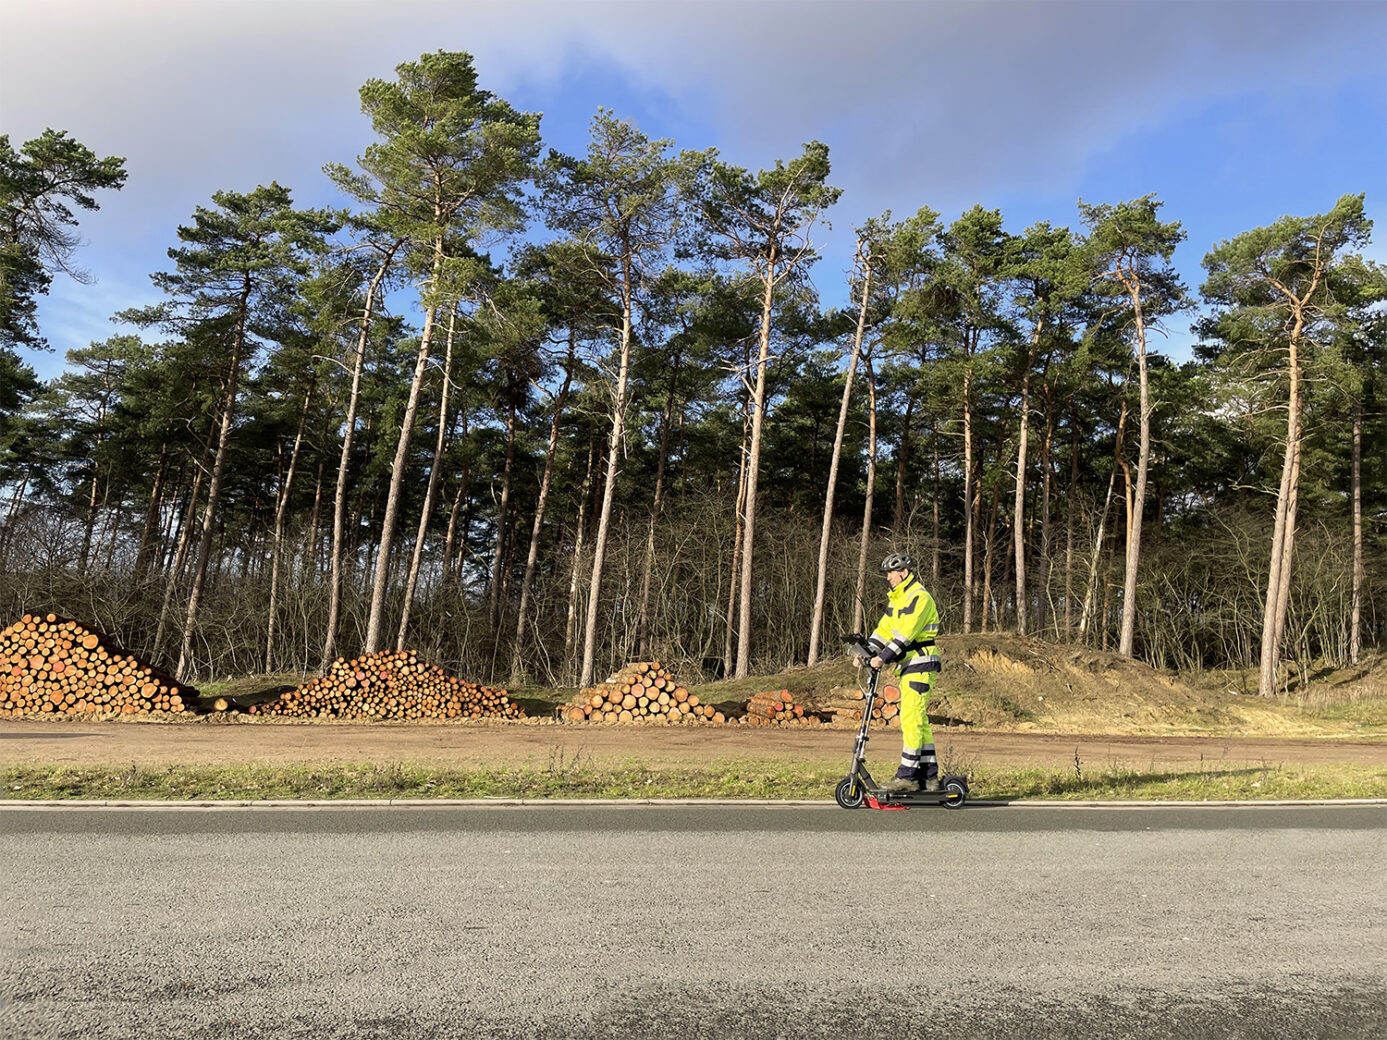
(632, 803)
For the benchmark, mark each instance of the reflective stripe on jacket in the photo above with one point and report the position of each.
(907, 630)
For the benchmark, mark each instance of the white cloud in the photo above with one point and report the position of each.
(945, 103)
(206, 91)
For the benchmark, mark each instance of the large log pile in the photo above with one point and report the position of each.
(642, 692)
(52, 665)
(390, 684)
(778, 708)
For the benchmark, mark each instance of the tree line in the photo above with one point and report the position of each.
(613, 419)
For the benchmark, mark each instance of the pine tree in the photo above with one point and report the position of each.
(445, 173)
(764, 221)
(232, 283)
(1282, 298)
(1131, 254)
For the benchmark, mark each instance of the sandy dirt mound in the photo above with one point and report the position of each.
(1010, 683)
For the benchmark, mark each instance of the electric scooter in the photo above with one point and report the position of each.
(858, 788)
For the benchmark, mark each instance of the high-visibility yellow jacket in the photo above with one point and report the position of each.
(907, 630)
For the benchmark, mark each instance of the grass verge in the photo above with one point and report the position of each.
(733, 780)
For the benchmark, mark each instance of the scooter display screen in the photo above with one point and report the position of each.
(857, 645)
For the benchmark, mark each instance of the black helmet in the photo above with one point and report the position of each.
(897, 562)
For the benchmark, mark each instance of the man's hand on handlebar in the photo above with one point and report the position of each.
(876, 663)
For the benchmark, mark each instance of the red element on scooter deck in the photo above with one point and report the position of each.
(872, 803)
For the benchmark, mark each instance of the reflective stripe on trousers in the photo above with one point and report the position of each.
(918, 763)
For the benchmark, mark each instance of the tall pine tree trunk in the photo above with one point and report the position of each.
(537, 528)
(339, 499)
(599, 546)
(89, 524)
(758, 410)
(281, 510)
(988, 542)
(902, 460)
(1283, 533)
(431, 492)
(1355, 636)
(1071, 507)
(494, 599)
(643, 613)
(214, 486)
(308, 568)
(180, 556)
(1019, 506)
(1086, 615)
(15, 500)
(816, 624)
(860, 599)
(455, 511)
(969, 499)
(149, 534)
(108, 537)
(398, 470)
(1043, 599)
(734, 579)
(173, 520)
(1129, 581)
(937, 548)
(570, 631)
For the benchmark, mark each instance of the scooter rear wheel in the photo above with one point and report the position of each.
(850, 793)
(957, 793)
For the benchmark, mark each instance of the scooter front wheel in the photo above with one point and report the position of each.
(850, 793)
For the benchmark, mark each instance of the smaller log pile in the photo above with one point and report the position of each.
(641, 692)
(390, 684)
(52, 665)
(843, 705)
(778, 708)
(887, 708)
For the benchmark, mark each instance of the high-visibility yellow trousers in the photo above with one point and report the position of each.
(918, 759)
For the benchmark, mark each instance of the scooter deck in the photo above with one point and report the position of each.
(878, 799)
(897, 800)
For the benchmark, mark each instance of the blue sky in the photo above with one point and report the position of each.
(1233, 113)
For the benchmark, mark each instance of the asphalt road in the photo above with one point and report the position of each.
(693, 921)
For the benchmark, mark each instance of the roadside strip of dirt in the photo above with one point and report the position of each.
(630, 803)
(79, 744)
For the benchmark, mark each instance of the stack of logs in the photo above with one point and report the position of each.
(53, 665)
(391, 684)
(641, 692)
(887, 708)
(843, 706)
(778, 708)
